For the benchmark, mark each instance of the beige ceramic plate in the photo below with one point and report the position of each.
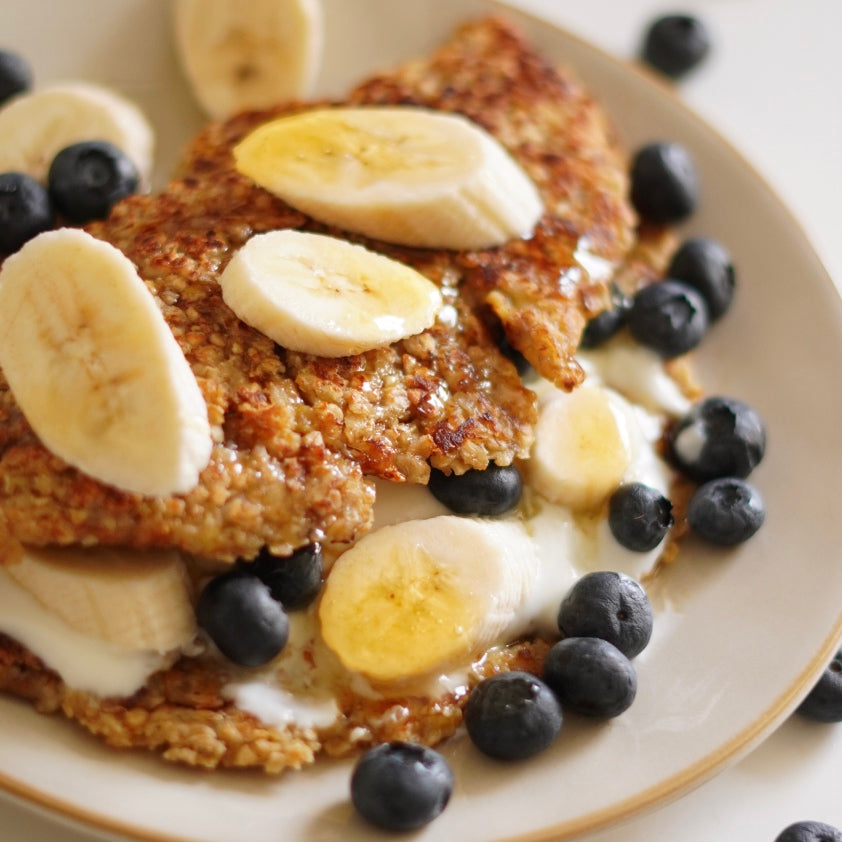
(740, 635)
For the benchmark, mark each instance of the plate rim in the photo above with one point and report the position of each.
(60, 811)
(68, 813)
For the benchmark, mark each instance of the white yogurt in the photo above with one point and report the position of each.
(298, 686)
(690, 442)
(636, 372)
(275, 706)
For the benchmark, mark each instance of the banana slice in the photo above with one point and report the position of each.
(400, 174)
(254, 54)
(426, 594)
(324, 296)
(34, 127)
(95, 368)
(140, 601)
(583, 447)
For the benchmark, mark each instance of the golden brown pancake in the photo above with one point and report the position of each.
(298, 438)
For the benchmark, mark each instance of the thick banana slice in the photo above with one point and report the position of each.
(140, 601)
(324, 296)
(34, 127)
(254, 54)
(426, 594)
(582, 449)
(400, 174)
(95, 368)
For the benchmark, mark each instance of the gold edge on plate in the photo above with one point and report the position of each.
(657, 795)
(60, 811)
(704, 769)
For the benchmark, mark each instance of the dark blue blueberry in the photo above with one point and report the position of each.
(492, 491)
(241, 618)
(810, 832)
(664, 184)
(512, 716)
(25, 210)
(604, 325)
(669, 317)
(15, 75)
(706, 266)
(590, 676)
(87, 179)
(292, 580)
(824, 702)
(611, 606)
(675, 44)
(401, 786)
(718, 437)
(726, 511)
(639, 516)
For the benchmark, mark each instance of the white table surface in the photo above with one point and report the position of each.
(771, 86)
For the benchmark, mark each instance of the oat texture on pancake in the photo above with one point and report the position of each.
(298, 439)
(317, 427)
(538, 289)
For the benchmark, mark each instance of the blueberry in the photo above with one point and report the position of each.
(639, 516)
(810, 832)
(512, 716)
(292, 580)
(15, 75)
(239, 615)
(669, 317)
(400, 785)
(25, 210)
(675, 44)
(824, 702)
(610, 606)
(664, 185)
(86, 179)
(705, 265)
(718, 437)
(590, 676)
(726, 511)
(604, 325)
(492, 491)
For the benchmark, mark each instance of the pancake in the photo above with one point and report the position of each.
(299, 440)
(540, 287)
(319, 427)
(183, 715)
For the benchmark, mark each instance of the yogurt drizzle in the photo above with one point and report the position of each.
(296, 688)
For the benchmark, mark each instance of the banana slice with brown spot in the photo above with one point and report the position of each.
(424, 595)
(325, 296)
(241, 54)
(96, 369)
